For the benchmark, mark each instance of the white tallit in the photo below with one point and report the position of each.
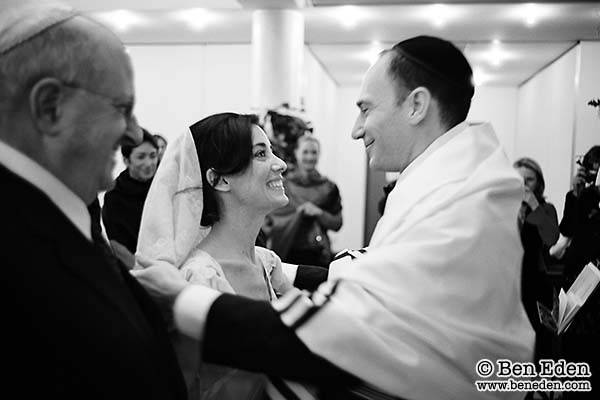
(439, 288)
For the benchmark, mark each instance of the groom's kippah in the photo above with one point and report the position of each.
(439, 57)
(21, 20)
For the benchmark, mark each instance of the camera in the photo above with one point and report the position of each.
(589, 173)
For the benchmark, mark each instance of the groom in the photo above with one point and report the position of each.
(437, 290)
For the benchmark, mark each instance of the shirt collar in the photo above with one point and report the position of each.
(68, 202)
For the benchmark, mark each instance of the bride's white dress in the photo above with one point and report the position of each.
(210, 381)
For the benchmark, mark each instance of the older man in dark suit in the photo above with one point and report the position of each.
(76, 325)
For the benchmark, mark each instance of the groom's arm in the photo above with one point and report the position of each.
(309, 277)
(249, 334)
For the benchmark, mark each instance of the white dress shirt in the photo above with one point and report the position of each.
(68, 202)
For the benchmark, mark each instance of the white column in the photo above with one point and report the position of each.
(277, 56)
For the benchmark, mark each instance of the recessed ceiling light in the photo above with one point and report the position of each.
(349, 16)
(440, 14)
(195, 18)
(532, 13)
(496, 55)
(121, 20)
(372, 54)
(480, 77)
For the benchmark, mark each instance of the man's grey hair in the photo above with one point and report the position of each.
(64, 51)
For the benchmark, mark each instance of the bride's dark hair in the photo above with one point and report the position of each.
(224, 144)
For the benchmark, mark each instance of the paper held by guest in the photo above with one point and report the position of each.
(566, 305)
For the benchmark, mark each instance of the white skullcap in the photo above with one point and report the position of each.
(21, 20)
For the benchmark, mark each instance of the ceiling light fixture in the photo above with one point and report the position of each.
(195, 18)
(121, 20)
(349, 16)
(480, 77)
(372, 54)
(439, 14)
(532, 13)
(496, 55)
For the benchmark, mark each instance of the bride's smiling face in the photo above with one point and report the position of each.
(260, 185)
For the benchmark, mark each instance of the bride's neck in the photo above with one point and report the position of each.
(233, 236)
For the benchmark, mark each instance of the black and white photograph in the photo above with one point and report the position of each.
(300, 199)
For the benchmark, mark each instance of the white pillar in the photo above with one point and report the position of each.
(277, 56)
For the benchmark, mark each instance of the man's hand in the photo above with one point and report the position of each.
(161, 279)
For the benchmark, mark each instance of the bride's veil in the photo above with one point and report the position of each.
(170, 228)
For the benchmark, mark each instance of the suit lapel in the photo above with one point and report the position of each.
(81, 257)
(89, 263)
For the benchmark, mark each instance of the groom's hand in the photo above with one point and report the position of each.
(161, 279)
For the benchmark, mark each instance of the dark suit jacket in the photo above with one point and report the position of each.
(249, 334)
(75, 325)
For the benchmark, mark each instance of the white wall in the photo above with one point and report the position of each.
(545, 121)
(497, 105)
(323, 107)
(319, 94)
(351, 171)
(587, 118)
(179, 85)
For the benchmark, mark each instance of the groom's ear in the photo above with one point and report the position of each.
(217, 181)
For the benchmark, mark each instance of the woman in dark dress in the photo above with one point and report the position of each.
(123, 205)
(538, 225)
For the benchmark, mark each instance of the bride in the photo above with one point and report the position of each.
(208, 200)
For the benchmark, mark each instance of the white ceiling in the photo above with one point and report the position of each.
(345, 35)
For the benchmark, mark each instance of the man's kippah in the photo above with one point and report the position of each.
(439, 57)
(21, 20)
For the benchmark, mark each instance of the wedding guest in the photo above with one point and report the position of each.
(298, 231)
(538, 224)
(581, 225)
(578, 227)
(162, 145)
(538, 221)
(123, 204)
(76, 325)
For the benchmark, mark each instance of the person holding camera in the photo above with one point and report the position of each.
(580, 225)
(580, 231)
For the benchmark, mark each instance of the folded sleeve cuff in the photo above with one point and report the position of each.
(191, 309)
(289, 270)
